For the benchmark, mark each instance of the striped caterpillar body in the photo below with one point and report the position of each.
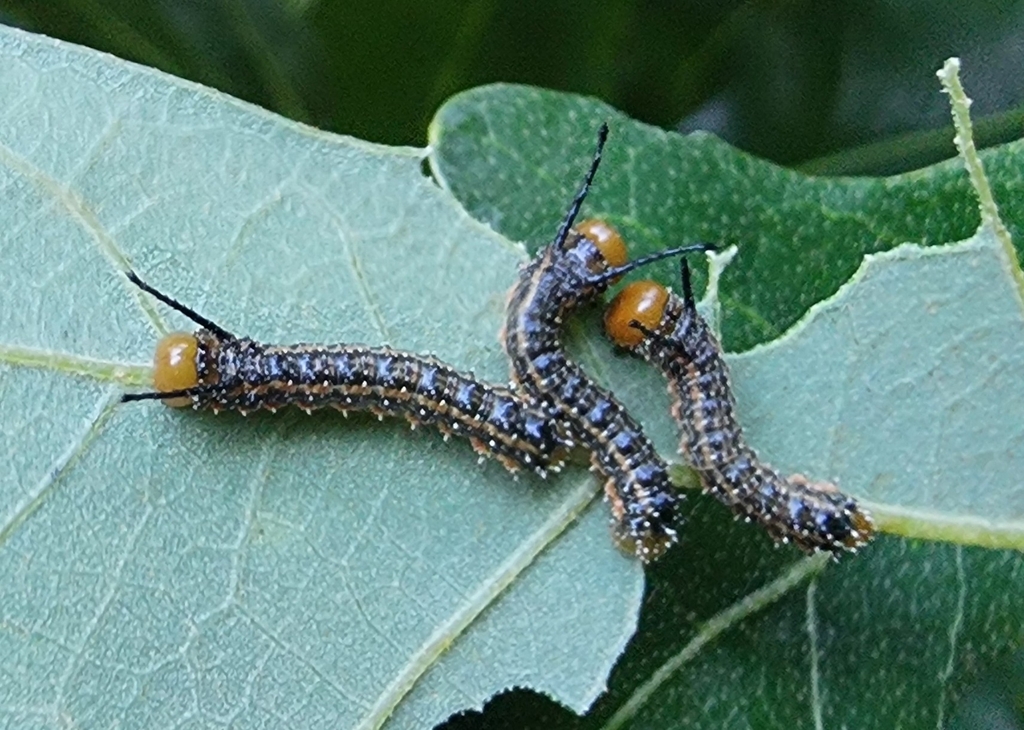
(577, 266)
(670, 333)
(214, 369)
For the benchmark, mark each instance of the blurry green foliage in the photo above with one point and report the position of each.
(790, 81)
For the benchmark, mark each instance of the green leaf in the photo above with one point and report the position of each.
(903, 387)
(160, 567)
(898, 386)
(515, 155)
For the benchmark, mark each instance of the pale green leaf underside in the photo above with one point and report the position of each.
(902, 387)
(160, 567)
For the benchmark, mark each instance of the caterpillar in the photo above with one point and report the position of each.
(212, 368)
(671, 334)
(578, 265)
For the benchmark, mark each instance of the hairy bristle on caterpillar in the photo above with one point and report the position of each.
(214, 369)
(671, 334)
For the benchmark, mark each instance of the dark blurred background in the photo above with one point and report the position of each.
(829, 86)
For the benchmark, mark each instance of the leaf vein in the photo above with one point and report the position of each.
(63, 463)
(80, 211)
(955, 629)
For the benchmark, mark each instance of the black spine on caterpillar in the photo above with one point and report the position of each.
(571, 270)
(212, 368)
(812, 515)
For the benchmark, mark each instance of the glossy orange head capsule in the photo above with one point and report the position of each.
(607, 239)
(174, 366)
(640, 301)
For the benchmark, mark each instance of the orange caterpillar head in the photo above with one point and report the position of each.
(592, 268)
(607, 239)
(641, 301)
(174, 366)
(175, 362)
